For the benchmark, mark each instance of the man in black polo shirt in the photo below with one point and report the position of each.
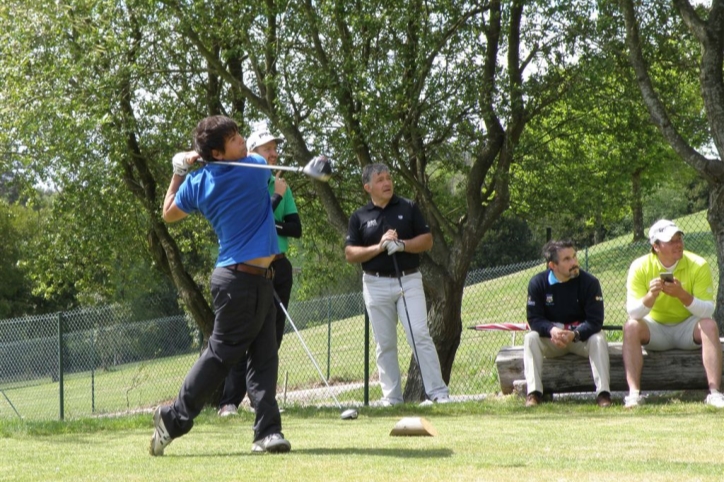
(565, 315)
(388, 226)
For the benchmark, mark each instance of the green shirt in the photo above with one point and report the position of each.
(692, 271)
(286, 206)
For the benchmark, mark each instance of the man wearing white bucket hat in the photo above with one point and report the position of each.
(670, 303)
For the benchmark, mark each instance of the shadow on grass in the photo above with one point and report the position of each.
(349, 451)
(377, 452)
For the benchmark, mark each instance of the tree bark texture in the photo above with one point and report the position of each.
(445, 334)
(637, 207)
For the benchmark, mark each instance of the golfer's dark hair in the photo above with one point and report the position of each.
(212, 133)
(551, 249)
(371, 169)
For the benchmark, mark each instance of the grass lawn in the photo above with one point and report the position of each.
(669, 439)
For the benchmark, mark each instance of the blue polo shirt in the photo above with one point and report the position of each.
(236, 202)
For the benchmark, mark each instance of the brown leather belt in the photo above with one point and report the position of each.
(267, 273)
(279, 256)
(392, 275)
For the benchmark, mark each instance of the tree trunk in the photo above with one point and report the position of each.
(715, 216)
(443, 320)
(637, 208)
(599, 234)
(166, 253)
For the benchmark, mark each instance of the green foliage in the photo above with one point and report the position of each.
(595, 158)
(509, 241)
(13, 286)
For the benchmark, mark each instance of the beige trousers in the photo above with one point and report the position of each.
(595, 349)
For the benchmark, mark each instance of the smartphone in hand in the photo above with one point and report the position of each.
(667, 277)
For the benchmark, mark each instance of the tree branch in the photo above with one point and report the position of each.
(695, 24)
(711, 171)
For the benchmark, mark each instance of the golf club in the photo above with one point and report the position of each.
(409, 325)
(319, 168)
(349, 414)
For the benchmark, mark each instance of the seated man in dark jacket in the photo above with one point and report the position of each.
(565, 314)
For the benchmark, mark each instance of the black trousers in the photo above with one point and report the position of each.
(235, 385)
(243, 328)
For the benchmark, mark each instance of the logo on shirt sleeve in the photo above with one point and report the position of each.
(531, 302)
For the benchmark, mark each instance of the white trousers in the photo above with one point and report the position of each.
(536, 347)
(385, 304)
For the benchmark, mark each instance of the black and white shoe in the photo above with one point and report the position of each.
(274, 444)
(160, 439)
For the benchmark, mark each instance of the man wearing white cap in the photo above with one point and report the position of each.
(288, 225)
(670, 302)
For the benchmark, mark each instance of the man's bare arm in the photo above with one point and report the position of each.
(360, 254)
(418, 244)
(171, 212)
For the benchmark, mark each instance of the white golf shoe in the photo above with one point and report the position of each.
(715, 400)
(633, 401)
(160, 438)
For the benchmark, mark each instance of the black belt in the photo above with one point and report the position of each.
(392, 275)
(279, 256)
(267, 273)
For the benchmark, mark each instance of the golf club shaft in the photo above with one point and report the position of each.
(260, 166)
(309, 353)
(409, 323)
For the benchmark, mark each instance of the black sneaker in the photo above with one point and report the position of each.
(604, 399)
(274, 444)
(533, 399)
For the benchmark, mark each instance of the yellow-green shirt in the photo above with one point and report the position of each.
(692, 271)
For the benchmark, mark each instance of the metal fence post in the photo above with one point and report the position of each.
(367, 360)
(93, 370)
(329, 334)
(60, 365)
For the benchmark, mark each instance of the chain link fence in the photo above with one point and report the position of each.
(123, 358)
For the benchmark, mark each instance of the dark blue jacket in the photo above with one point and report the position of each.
(577, 303)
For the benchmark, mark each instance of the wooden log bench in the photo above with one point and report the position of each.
(669, 370)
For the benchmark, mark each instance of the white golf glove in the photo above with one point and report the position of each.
(395, 246)
(180, 164)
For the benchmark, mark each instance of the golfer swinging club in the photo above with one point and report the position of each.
(389, 226)
(236, 202)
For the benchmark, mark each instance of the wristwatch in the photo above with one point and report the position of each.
(576, 336)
